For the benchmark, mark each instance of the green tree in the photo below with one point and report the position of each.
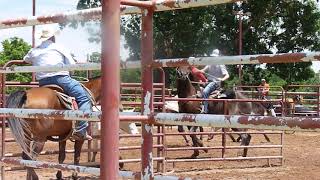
(15, 49)
(278, 25)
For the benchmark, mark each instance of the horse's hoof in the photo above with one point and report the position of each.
(59, 175)
(194, 156)
(121, 164)
(210, 137)
(74, 175)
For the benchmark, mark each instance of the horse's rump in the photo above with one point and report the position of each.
(27, 130)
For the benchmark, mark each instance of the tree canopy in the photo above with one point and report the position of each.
(15, 49)
(274, 26)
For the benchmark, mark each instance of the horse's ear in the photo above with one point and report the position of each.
(230, 94)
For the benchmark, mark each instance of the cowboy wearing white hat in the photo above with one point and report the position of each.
(215, 53)
(48, 53)
(215, 74)
(47, 33)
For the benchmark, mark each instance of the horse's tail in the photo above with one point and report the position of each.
(19, 127)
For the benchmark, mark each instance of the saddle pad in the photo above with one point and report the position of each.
(67, 101)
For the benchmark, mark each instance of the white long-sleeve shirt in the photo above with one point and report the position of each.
(49, 53)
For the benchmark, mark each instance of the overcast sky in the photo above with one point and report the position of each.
(76, 40)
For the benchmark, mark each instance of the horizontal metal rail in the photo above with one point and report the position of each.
(242, 59)
(228, 60)
(223, 100)
(80, 169)
(238, 121)
(221, 147)
(95, 13)
(228, 121)
(64, 114)
(223, 159)
(43, 164)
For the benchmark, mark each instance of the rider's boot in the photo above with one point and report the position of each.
(272, 112)
(80, 131)
(81, 135)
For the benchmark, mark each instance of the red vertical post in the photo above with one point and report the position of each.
(240, 34)
(240, 46)
(318, 102)
(3, 128)
(147, 93)
(33, 33)
(110, 68)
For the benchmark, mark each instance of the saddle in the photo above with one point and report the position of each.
(68, 101)
(217, 94)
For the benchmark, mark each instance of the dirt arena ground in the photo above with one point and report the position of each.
(301, 151)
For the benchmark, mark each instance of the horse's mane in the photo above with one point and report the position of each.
(184, 87)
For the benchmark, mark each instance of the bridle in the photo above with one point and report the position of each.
(183, 73)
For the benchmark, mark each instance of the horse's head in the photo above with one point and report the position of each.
(183, 72)
(184, 86)
(298, 99)
(94, 85)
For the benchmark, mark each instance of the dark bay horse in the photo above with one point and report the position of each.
(186, 89)
(31, 134)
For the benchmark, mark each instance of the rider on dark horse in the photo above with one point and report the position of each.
(48, 53)
(215, 74)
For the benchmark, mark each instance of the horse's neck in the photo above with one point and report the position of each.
(185, 89)
(94, 86)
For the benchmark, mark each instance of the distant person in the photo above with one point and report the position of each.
(49, 53)
(215, 74)
(264, 89)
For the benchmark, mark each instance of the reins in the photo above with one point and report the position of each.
(93, 101)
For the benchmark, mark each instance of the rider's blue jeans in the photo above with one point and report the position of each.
(74, 89)
(212, 86)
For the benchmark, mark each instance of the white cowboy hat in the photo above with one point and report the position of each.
(215, 53)
(47, 32)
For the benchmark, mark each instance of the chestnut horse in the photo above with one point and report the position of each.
(31, 134)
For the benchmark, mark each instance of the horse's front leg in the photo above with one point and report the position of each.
(62, 156)
(181, 130)
(245, 141)
(201, 130)
(77, 153)
(95, 145)
(196, 142)
(266, 137)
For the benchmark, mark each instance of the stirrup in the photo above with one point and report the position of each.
(77, 136)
